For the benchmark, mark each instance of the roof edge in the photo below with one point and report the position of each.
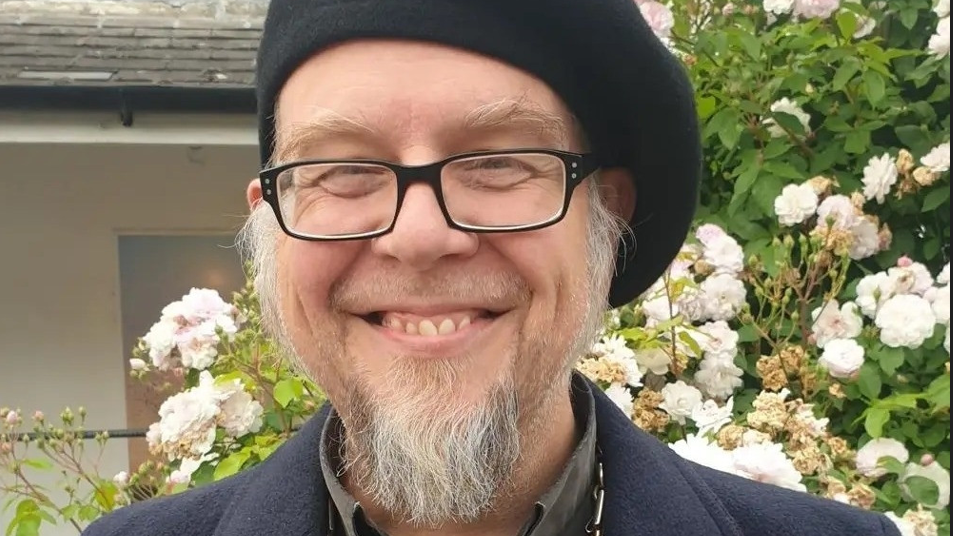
(130, 99)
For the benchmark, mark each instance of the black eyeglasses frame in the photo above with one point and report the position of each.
(576, 168)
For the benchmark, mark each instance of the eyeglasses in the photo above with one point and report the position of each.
(482, 192)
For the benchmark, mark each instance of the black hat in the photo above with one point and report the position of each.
(632, 97)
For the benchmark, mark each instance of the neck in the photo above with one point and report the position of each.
(548, 438)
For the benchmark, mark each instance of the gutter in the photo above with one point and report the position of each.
(127, 100)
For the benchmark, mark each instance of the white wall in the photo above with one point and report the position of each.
(61, 210)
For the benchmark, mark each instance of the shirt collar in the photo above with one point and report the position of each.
(565, 508)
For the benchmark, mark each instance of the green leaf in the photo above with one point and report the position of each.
(938, 392)
(914, 137)
(847, 24)
(706, 106)
(287, 390)
(935, 198)
(783, 169)
(869, 381)
(875, 421)
(789, 122)
(874, 86)
(765, 190)
(908, 16)
(921, 489)
(890, 359)
(933, 436)
(857, 142)
(30, 525)
(38, 463)
(231, 465)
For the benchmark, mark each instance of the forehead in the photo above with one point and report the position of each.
(418, 93)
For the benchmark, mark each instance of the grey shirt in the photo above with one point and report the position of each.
(565, 509)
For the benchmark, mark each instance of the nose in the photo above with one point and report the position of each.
(421, 237)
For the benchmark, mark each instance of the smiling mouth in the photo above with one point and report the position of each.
(429, 326)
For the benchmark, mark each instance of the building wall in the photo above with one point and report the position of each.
(63, 209)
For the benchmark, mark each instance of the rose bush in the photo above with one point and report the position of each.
(801, 337)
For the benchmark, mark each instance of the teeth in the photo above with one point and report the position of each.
(445, 327)
(426, 327)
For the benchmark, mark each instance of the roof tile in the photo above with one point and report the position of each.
(159, 45)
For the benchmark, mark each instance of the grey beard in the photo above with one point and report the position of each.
(438, 467)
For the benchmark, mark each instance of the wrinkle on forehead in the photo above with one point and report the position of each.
(514, 115)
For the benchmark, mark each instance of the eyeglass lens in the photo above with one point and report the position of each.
(480, 192)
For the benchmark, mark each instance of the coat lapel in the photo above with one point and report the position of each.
(650, 490)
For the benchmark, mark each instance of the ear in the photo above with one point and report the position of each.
(253, 194)
(617, 187)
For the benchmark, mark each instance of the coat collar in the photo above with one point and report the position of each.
(649, 488)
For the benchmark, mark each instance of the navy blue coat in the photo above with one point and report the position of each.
(650, 491)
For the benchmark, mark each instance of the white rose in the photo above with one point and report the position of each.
(725, 255)
(137, 364)
(940, 304)
(709, 417)
(796, 203)
(873, 290)
(717, 377)
(842, 357)
(790, 107)
(724, 295)
(187, 421)
(942, 8)
(766, 462)
(869, 456)
(880, 174)
(944, 276)
(709, 232)
(938, 159)
(717, 340)
(622, 397)
(815, 9)
(705, 452)
(939, 44)
(659, 309)
(865, 240)
(905, 527)
(241, 414)
(679, 399)
(839, 210)
(654, 360)
(935, 472)
(778, 7)
(905, 320)
(160, 340)
(913, 278)
(832, 323)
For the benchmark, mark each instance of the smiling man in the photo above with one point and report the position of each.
(451, 196)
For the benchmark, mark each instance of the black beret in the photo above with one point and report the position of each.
(632, 97)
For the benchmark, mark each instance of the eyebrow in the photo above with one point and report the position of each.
(325, 124)
(519, 115)
(505, 115)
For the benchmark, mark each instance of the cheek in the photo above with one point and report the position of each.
(310, 271)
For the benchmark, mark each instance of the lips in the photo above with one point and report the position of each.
(432, 325)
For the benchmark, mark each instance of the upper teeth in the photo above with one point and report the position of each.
(428, 327)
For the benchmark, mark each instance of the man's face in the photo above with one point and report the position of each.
(430, 337)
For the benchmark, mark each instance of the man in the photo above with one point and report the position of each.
(452, 193)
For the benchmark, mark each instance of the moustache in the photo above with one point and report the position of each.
(492, 289)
